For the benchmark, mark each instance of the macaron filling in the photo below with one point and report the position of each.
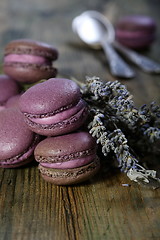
(75, 119)
(20, 158)
(138, 43)
(70, 173)
(26, 58)
(60, 116)
(70, 164)
(134, 34)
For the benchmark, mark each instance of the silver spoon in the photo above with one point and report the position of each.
(94, 34)
(143, 62)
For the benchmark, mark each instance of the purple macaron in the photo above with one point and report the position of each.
(29, 61)
(17, 142)
(8, 89)
(67, 159)
(13, 101)
(136, 31)
(54, 107)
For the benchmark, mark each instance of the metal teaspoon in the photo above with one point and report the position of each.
(94, 34)
(146, 64)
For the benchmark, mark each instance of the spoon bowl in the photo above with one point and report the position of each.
(98, 28)
(95, 34)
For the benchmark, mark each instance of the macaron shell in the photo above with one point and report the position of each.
(13, 101)
(66, 147)
(133, 35)
(27, 46)
(70, 176)
(63, 127)
(16, 138)
(135, 31)
(2, 107)
(8, 88)
(29, 73)
(132, 40)
(19, 162)
(75, 163)
(50, 96)
(67, 126)
(59, 116)
(137, 23)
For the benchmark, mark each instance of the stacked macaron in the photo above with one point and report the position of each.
(17, 142)
(44, 121)
(13, 101)
(25, 61)
(67, 159)
(135, 31)
(8, 89)
(55, 109)
(29, 61)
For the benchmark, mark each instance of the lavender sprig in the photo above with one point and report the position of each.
(114, 98)
(152, 134)
(116, 142)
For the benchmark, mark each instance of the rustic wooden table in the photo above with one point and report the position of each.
(31, 209)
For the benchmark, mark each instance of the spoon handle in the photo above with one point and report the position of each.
(117, 65)
(143, 62)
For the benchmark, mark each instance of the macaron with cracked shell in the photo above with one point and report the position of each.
(29, 61)
(17, 142)
(54, 107)
(8, 89)
(136, 31)
(67, 159)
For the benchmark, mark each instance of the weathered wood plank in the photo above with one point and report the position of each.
(100, 208)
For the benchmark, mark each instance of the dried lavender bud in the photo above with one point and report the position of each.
(152, 133)
(151, 114)
(115, 100)
(155, 110)
(116, 141)
(117, 123)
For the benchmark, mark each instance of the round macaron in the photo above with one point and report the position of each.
(29, 61)
(13, 101)
(135, 31)
(8, 88)
(54, 107)
(17, 142)
(67, 159)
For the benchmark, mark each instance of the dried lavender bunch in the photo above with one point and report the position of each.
(116, 142)
(115, 99)
(153, 111)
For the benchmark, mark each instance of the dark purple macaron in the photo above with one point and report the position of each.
(29, 61)
(8, 88)
(67, 159)
(136, 31)
(17, 142)
(54, 107)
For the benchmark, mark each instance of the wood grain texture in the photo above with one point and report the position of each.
(100, 209)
